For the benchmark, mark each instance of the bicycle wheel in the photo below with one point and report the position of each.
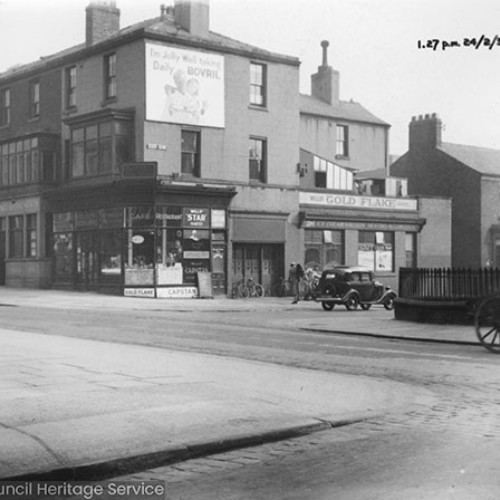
(243, 291)
(259, 291)
(487, 323)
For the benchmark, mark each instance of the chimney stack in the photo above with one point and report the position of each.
(193, 16)
(425, 132)
(325, 84)
(103, 20)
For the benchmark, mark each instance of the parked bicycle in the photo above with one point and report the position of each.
(248, 288)
(282, 288)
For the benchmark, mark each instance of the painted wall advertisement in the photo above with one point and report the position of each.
(184, 86)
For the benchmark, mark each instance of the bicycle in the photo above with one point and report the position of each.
(282, 288)
(247, 287)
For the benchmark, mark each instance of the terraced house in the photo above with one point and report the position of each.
(148, 156)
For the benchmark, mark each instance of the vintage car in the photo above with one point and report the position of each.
(353, 286)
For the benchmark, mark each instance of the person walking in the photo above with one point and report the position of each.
(299, 275)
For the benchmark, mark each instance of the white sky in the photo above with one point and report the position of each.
(373, 43)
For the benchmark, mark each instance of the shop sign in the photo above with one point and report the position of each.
(20, 205)
(139, 292)
(368, 226)
(353, 201)
(177, 292)
(137, 239)
(218, 219)
(196, 217)
(196, 254)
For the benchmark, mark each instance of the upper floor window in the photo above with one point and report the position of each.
(4, 107)
(110, 76)
(257, 84)
(190, 157)
(331, 176)
(70, 84)
(257, 160)
(28, 160)
(34, 101)
(100, 148)
(342, 140)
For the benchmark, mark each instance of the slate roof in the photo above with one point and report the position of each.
(156, 28)
(344, 110)
(483, 160)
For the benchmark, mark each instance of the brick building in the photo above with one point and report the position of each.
(469, 176)
(148, 154)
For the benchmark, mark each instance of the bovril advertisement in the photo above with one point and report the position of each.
(184, 86)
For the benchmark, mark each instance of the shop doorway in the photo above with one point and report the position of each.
(3, 248)
(263, 263)
(87, 265)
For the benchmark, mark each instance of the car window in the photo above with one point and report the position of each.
(365, 277)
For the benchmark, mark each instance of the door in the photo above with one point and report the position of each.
(3, 250)
(87, 265)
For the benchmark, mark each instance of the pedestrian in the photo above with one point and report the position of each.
(299, 275)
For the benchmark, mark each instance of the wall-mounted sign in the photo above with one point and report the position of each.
(177, 292)
(139, 292)
(184, 86)
(218, 219)
(137, 239)
(354, 201)
(196, 217)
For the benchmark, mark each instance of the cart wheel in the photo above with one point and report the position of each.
(365, 307)
(487, 323)
(327, 306)
(352, 303)
(389, 302)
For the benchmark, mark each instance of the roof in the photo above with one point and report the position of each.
(344, 110)
(161, 28)
(483, 160)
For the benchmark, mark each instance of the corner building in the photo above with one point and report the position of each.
(146, 155)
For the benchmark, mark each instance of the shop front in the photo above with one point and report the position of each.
(152, 250)
(377, 233)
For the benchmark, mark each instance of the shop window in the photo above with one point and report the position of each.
(110, 76)
(110, 253)
(70, 83)
(34, 99)
(16, 229)
(376, 250)
(410, 247)
(190, 155)
(342, 141)
(258, 160)
(258, 84)
(31, 235)
(4, 107)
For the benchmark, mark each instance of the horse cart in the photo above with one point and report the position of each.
(487, 323)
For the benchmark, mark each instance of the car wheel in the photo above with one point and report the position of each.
(352, 303)
(327, 306)
(389, 302)
(365, 307)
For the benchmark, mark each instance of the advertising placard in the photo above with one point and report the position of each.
(184, 86)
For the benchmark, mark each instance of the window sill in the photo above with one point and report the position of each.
(109, 100)
(256, 107)
(342, 157)
(34, 119)
(4, 127)
(71, 110)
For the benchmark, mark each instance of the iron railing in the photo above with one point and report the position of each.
(448, 284)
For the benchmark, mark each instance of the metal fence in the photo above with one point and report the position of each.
(448, 284)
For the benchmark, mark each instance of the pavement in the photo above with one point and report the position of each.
(75, 409)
